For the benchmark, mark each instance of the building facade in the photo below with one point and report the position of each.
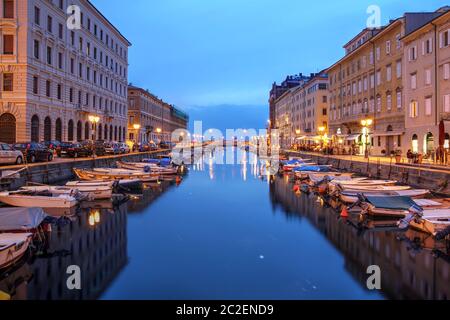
(427, 85)
(150, 118)
(55, 79)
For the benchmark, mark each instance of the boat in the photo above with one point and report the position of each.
(16, 199)
(332, 176)
(146, 167)
(84, 174)
(118, 186)
(12, 247)
(351, 196)
(366, 188)
(433, 221)
(88, 192)
(21, 219)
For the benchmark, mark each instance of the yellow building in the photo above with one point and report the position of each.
(427, 84)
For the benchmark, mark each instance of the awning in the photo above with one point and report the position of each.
(388, 134)
(353, 137)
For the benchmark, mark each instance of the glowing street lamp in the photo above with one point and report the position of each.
(366, 123)
(94, 120)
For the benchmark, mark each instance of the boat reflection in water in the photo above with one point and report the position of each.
(413, 265)
(96, 242)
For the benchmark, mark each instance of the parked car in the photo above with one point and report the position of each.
(124, 148)
(147, 146)
(112, 148)
(100, 149)
(10, 156)
(165, 145)
(34, 152)
(75, 150)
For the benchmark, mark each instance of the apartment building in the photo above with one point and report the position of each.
(427, 85)
(150, 118)
(55, 80)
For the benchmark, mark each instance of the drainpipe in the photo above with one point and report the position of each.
(436, 69)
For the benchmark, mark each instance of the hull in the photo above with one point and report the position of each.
(141, 166)
(37, 201)
(95, 175)
(13, 247)
(89, 192)
(432, 221)
(363, 189)
(352, 197)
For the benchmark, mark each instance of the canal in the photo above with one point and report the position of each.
(228, 232)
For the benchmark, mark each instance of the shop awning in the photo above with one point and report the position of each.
(388, 134)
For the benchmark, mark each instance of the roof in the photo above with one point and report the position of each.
(108, 22)
(437, 16)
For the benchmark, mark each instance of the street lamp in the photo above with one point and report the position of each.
(94, 120)
(366, 123)
(137, 127)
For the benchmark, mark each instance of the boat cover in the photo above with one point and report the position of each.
(20, 219)
(393, 203)
(314, 169)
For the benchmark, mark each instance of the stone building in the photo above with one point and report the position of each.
(54, 78)
(150, 118)
(368, 84)
(427, 84)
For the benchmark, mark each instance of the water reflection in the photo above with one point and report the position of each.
(96, 242)
(407, 273)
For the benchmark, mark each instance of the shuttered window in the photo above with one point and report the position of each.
(8, 44)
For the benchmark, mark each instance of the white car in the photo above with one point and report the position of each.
(124, 148)
(10, 156)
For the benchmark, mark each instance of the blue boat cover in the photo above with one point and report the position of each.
(394, 203)
(313, 169)
(20, 219)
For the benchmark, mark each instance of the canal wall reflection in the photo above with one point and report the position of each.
(406, 273)
(96, 242)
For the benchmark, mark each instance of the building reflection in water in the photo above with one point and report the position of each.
(406, 273)
(96, 242)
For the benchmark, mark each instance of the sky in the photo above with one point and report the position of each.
(217, 59)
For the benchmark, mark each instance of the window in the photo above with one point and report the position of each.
(37, 16)
(446, 71)
(447, 103)
(413, 109)
(72, 65)
(49, 24)
(36, 49)
(399, 69)
(378, 53)
(80, 44)
(414, 81)
(388, 47)
(378, 104)
(59, 91)
(397, 41)
(388, 73)
(35, 85)
(399, 100)
(428, 106)
(60, 31)
(8, 82)
(71, 94)
(49, 55)
(389, 101)
(60, 60)
(372, 81)
(365, 83)
(378, 77)
(72, 38)
(371, 57)
(413, 53)
(8, 9)
(8, 44)
(80, 70)
(48, 88)
(428, 77)
(61, 4)
(427, 46)
(444, 39)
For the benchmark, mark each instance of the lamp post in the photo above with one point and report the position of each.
(94, 120)
(136, 128)
(366, 123)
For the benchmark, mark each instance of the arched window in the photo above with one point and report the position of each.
(47, 129)
(115, 133)
(79, 131)
(124, 134)
(70, 130)
(35, 128)
(120, 134)
(7, 128)
(58, 130)
(111, 132)
(86, 131)
(106, 132)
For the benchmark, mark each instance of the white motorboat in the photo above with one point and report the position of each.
(16, 199)
(88, 192)
(93, 183)
(357, 183)
(334, 176)
(379, 188)
(12, 247)
(351, 196)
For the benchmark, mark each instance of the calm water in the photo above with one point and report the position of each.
(228, 232)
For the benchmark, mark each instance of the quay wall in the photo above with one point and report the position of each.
(60, 171)
(424, 178)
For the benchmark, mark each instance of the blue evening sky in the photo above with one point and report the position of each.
(217, 59)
